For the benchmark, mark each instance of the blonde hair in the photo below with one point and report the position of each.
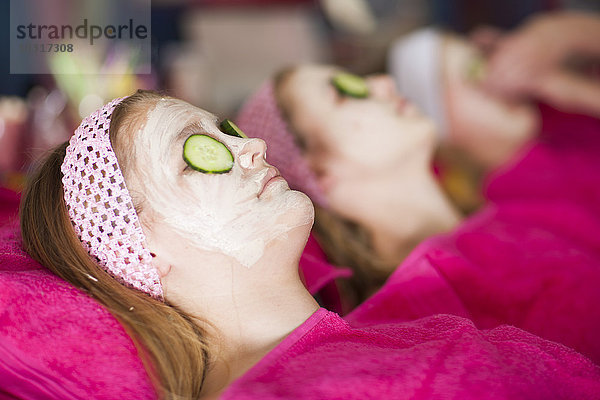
(170, 344)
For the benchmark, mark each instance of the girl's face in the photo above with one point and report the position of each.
(490, 127)
(354, 138)
(236, 213)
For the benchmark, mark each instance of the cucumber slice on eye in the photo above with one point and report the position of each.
(476, 69)
(350, 85)
(228, 127)
(206, 154)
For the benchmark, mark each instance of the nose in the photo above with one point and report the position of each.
(252, 153)
(382, 86)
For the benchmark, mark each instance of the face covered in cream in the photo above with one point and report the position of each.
(235, 213)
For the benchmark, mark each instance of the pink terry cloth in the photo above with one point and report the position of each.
(438, 357)
(530, 258)
(55, 341)
(9, 206)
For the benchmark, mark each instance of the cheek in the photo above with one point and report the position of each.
(470, 102)
(215, 194)
(192, 199)
(354, 139)
(387, 142)
(420, 135)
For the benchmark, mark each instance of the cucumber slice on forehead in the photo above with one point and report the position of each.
(228, 127)
(206, 154)
(350, 85)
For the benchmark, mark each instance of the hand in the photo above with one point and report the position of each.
(486, 38)
(520, 61)
(571, 92)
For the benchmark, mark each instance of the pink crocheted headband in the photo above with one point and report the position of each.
(261, 117)
(100, 206)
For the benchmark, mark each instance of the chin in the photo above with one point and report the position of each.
(428, 140)
(298, 217)
(431, 137)
(526, 121)
(293, 209)
(304, 208)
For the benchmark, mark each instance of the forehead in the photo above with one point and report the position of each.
(161, 124)
(309, 98)
(179, 110)
(308, 88)
(457, 54)
(169, 116)
(312, 75)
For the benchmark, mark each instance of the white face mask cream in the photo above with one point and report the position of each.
(236, 213)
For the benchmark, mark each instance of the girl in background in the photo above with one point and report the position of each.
(529, 257)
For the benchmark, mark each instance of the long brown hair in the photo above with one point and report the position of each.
(170, 344)
(345, 242)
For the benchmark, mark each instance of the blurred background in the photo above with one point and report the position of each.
(213, 53)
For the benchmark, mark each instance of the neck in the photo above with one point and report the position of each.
(245, 315)
(407, 207)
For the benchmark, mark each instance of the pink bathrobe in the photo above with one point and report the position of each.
(439, 357)
(530, 258)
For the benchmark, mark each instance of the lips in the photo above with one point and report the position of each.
(271, 174)
(406, 108)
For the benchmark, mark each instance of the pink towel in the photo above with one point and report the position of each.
(9, 206)
(531, 258)
(440, 357)
(56, 342)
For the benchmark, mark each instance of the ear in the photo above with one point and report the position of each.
(161, 264)
(160, 254)
(326, 182)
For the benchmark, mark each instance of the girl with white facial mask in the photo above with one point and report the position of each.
(363, 153)
(131, 211)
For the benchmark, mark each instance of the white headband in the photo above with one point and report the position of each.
(414, 62)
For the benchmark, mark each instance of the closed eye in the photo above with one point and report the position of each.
(206, 154)
(336, 96)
